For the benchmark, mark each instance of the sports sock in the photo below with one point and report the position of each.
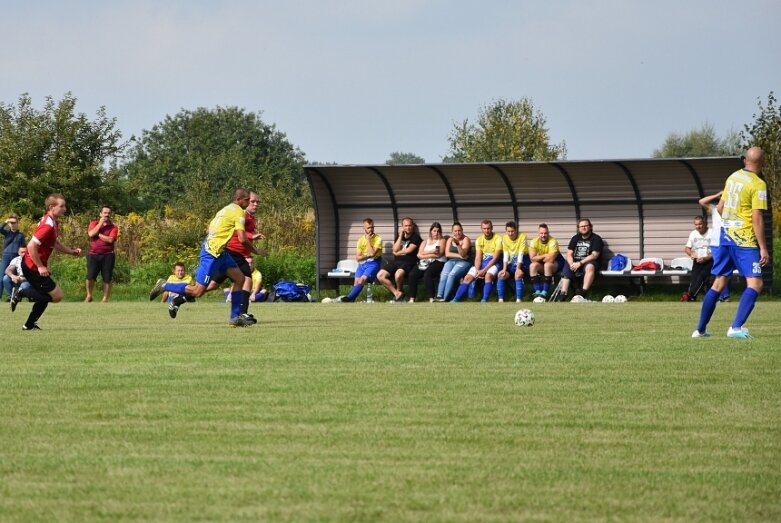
(462, 289)
(178, 288)
(487, 288)
(472, 289)
(537, 283)
(499, 289)
(709, 302)
(37, 311)
(354, 292)
(245, 301)
(518, 289)
(548, 281)
(236, 303)
(745, 306)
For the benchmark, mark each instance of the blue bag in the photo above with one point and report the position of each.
(291, 291)
(618, 263)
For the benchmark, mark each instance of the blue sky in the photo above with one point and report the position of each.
(352, 81)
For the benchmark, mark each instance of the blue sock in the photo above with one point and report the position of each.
(499, 289)
(355, 291)
(519, 289)
(546, 285)
(472, 289)
(462, 288)
(487, 288)
(178, 288)
(709, 302)
(746, 305)
(236, 303)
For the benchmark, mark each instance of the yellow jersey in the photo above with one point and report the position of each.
(185, 279)
(489, 246)
(229, 220)
(743, 192)
(257, 279)
(514, 249)
(544, 248)
(363, 246)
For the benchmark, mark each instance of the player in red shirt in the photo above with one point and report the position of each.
(35, 267)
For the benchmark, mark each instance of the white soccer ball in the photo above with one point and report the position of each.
(620, 299)
(538, 299)
(577, 299)
(326, 300)
(524, 318)
(608, 299)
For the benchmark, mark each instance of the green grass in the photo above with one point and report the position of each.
(358, 412)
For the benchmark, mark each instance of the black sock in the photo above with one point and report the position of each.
(35, 314)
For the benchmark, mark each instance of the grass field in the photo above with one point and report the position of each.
(380, 412)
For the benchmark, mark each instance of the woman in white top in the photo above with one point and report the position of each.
(431, 259)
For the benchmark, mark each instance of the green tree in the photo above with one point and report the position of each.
(765, 132)
(195, 159)
(57, 150)
(504, 131)
(399, 158)
(699, 143)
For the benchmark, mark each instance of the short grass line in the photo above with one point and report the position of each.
(380, 412)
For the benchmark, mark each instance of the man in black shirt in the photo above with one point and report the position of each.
(582, 257)
(405, 252)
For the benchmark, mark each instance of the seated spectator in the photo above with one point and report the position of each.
(514, 259)
(698, 249)
(257, 293)
(431, 260)
(488, 259)
(709, 203)
(368, 254)
(13, 239)
(405, 257)
(13, 278)
(545, 261)
(583, 254)
(457, 249)
(179, 276)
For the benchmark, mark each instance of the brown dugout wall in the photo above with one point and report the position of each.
(641, 208)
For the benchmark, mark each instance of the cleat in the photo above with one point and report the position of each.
(544, 294)
(249, 318)
(14, 298)
(500, 300)
(698, 334)
(172, 310)
(157, 290)
(34, 327)
(741, 333)
(239, 321)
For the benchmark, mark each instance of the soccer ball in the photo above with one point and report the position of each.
(524, 318)
(578, 299)
(538, 299)
(620, 299)
(608, 299)
(326, 300)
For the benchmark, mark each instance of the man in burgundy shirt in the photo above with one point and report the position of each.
(45, 240)
(100, 260)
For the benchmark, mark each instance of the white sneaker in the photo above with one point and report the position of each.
(741, 333)
(698, 334)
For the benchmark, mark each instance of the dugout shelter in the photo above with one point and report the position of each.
(641, 208)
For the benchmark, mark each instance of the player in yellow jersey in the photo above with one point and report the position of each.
(215, 260)
(488, 259)
(545, 260)
(515, 261)
(368, 254)
(743, 245)
(178, 276)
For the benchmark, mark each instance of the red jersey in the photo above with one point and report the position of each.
(45, 236)
(235, 245)
(98, 246)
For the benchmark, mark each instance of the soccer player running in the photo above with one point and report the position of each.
(43, 289)
(742, 246)
(215, 260)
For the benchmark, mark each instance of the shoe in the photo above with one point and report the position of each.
(34, 327)
(400, 299)
(741, 333)
(439, 299)
(172, 310)
(250, 318)
(14, 298)
(157, 290)
(240, 321)
(500, 300)
(724, 300)
(517, 300)
(698, 334)
(544, 294)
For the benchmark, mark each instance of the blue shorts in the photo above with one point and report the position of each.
(209, 267)
(369, 269)
(727, 258)
(513, 265)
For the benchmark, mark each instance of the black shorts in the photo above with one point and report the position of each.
(393, 266)
(38, 282)
(102, 264)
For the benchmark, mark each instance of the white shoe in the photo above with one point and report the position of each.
(698, 334)
(741, 333)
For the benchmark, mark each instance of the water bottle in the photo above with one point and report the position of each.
(370, 293)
